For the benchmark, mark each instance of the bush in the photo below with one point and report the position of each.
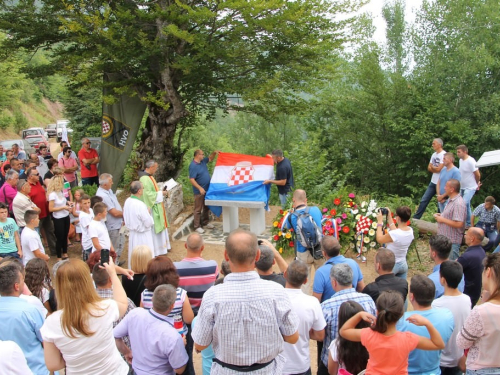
(20, 121)
(90, 190)
(5, 121)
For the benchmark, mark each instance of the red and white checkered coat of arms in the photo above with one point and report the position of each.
(241, 173)
(363, 225)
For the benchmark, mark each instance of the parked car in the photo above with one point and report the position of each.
(32, 131)
(51, 130)
(37, 140)
(22, 143)
(45, 134)
(60, 124)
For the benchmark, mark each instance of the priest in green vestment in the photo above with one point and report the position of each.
(153, 198)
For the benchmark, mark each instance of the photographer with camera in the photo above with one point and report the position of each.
(398, 238)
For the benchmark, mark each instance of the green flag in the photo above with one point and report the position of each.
(120, 124)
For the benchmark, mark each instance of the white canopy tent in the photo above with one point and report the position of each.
(488, 159)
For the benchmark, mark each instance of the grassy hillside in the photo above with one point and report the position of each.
(36, 113)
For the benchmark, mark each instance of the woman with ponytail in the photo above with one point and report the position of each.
(481, 331)
(387, 347)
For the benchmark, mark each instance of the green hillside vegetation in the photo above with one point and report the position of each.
(26, 102)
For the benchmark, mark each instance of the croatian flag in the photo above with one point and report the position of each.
(239, 177)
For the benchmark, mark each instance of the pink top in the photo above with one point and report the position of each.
(7, 194)
(399, 345)
(68, 163)
(480, 334)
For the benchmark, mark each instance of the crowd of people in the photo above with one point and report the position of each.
(93, 316)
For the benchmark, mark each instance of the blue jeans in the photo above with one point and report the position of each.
(467, 195)
(283, 199)
(490, 231)
(401, 270)
(426, 198)
(14, 254)
(90, 181)
(455, 251)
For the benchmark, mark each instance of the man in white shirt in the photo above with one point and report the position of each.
(114, 218)
(61, 154)
(451, 274)
(97, 229)
(435, 166)
(22, 202)
(312, 322)
(12, 360)
(471, 178)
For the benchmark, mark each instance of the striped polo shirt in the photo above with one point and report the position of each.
(196, 276)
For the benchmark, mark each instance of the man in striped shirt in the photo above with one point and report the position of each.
(246, 319)
(196, 275)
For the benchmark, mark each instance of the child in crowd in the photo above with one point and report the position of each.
(95, 199)
(10, 244)
(450, 274)
(344, 354)
(31, 242)
(75, 213)
(97, 229)
(37, 279)
(224, 271)
(86, 215)
(389, 348)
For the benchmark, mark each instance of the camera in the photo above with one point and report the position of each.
(383, 211)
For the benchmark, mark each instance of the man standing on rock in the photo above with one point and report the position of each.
(153, 197)
(200, 179)
(471, 178)
(435, 166)
(451, 223)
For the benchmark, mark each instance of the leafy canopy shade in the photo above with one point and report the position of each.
(184, 57)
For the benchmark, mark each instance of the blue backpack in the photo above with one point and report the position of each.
(308, 233)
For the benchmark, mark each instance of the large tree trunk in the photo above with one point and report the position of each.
(157, 143)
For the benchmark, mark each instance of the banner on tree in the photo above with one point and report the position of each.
(120, 124)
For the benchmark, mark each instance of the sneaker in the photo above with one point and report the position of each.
(361, 258)
(200, 230)
(209, 226)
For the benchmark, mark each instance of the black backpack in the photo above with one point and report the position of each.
(308, 233)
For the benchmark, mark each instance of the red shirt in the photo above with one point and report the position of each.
(84, 154)
(38, 197)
